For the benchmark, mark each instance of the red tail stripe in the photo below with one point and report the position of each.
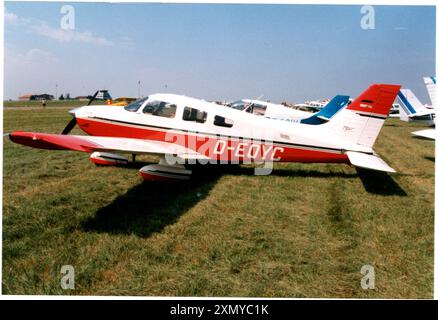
(377, 99)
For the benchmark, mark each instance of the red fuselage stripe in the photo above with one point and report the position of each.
(213, 147)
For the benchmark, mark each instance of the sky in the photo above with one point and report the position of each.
(216, 51)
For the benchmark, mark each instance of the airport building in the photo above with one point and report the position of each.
(43, 96)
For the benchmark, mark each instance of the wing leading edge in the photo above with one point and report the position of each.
(94, 143)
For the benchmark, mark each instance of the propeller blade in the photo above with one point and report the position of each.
(73, 121)
(69, 126)
(93, 97)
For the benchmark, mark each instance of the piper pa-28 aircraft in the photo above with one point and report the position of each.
(182, 129)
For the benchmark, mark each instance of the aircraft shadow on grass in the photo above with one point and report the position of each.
(380, 183)
(422, 138)
(149, 207)
(375, 182)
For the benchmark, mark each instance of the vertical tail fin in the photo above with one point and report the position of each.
(326, 113)
(409, 104)
(430, 83)
(361, 121)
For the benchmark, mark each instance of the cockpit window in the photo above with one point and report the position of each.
(134, 106)
(160, 108)
(239, 105)
(223, 122)
(254, 108)
(258, 109)
(192, 114)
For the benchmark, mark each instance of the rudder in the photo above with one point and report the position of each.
(362, 120)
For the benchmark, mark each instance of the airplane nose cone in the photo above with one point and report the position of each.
(73, 111)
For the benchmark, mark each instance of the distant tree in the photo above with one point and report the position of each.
(61, 97)
(67, 96)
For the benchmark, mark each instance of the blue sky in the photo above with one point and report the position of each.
(212, 51)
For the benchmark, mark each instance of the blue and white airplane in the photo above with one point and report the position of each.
(281, 112)
(412, 110)
(327, 112)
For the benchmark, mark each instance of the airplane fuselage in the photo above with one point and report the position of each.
(238, 136)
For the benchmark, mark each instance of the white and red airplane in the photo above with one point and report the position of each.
(186, 130)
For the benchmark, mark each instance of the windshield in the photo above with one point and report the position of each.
(134, 106)
(239, 105)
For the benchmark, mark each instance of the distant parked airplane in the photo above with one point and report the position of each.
(314, 105)
(280, 112)
(412, 110)
(430, 83)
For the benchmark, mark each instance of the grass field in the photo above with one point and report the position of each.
(304, 231)
(49, 104)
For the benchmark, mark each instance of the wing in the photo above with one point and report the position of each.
(94, 143)
(428, 133)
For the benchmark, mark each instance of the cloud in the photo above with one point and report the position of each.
(39, 56)
(43, 29)
(33, 59)
(11, 17)
(61, 35)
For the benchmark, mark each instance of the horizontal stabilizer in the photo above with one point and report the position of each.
(368, 161)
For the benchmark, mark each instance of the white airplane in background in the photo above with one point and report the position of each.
(182, 130)
(281, 112)
(315, 105)
(412, 110)
(430, 83)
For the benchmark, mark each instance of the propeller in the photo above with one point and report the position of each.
(69, 127)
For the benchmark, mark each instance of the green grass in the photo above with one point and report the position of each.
(49, 103)
(304, 231)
